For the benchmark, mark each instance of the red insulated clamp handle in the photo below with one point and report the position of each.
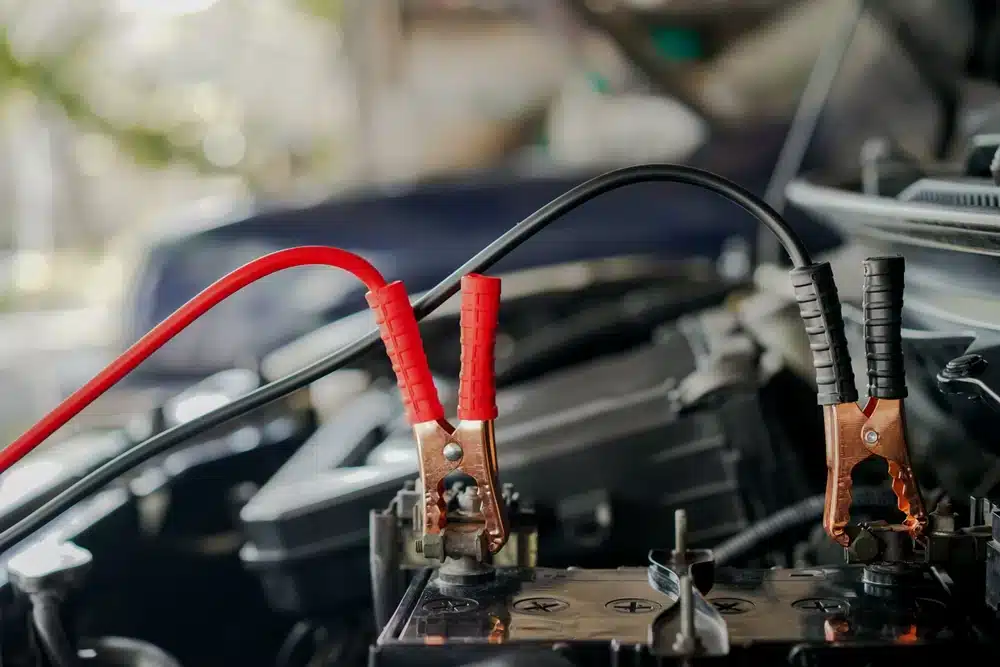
(477, 393)
(401, 335)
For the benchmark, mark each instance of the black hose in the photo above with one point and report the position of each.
(486, 258)
(802, 513)
(298, 642)
(46, 615)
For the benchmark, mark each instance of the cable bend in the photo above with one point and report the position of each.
(179, 320)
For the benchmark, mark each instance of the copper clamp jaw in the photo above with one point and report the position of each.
(477, 526)
(854, 434)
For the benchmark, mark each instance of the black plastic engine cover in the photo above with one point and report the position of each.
(604, 453)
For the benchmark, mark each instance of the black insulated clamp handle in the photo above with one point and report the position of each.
(882, 303)
(819, 307)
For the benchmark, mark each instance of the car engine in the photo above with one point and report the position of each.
(625, 461)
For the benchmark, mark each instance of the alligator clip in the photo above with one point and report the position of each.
(854, 434)
(481, 528)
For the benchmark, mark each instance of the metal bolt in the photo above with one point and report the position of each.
(871, 437)
(864, 548)
(470, 499)
(943, 517)
(687, 606)
(453, 451)
(686, 641)
(680, 533)
(968, 365)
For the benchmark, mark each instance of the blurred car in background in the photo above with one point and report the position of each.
(419, 234)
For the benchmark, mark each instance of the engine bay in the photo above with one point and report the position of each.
(635, 471)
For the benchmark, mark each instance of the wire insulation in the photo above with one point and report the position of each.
(177, 322)
(480, 263)
(802, 513)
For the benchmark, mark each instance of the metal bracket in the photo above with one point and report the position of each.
(686, 575)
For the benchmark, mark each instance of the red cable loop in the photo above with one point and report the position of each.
(177, 322)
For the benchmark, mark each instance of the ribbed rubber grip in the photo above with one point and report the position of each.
(477, 379)
(883, 308)
(401, 335)
(819, 307)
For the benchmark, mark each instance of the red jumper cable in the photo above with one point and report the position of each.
(177, 322)
(469, 447)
